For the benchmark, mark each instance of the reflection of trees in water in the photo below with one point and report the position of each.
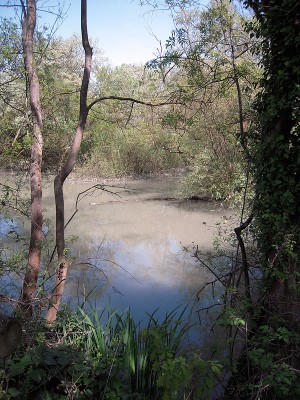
(12, 261)
(93, 272)
(149, 275)
(141, 255)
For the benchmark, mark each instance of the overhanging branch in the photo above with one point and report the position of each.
(132, 100)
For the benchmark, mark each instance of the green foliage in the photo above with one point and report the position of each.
(209, 52)
(12, 99)
(123, 152)
(193, 374)
(231, 317)
(123, 138)
(277, 140)
(209, 176)
(271, 357)
(82, 357)
(272, 354)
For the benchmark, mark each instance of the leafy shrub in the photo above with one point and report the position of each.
(108, 356)
(221, 179)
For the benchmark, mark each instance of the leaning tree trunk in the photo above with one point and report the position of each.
(34, 257)
(67, 168)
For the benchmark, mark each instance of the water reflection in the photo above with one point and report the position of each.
(7, 226)
(129, 250)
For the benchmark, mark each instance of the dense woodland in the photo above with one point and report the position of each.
(220, 104)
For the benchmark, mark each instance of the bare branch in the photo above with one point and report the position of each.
(132, 100)
(245, 267)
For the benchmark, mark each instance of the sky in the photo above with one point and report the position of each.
(123, 28)
(125, 31)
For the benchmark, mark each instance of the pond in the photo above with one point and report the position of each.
(128, 244)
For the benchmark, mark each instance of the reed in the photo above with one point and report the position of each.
(107, 355)
(134, 350)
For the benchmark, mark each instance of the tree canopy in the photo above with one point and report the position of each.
(220, 102)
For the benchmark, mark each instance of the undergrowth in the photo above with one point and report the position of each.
(87, 355)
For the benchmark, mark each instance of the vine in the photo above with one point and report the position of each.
(277, 143)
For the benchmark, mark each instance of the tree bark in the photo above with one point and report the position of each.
(36, 236)
(67, 168)
(277, 173)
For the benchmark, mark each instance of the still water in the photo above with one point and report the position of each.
(128, 246)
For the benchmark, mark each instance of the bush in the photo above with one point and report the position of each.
(127, 152)
(221, 179)
(82, 358)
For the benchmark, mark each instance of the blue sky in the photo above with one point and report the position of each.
(122, 27)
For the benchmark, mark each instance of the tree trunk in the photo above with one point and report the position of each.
(67, 168)
(277, 161)
(34, 256)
